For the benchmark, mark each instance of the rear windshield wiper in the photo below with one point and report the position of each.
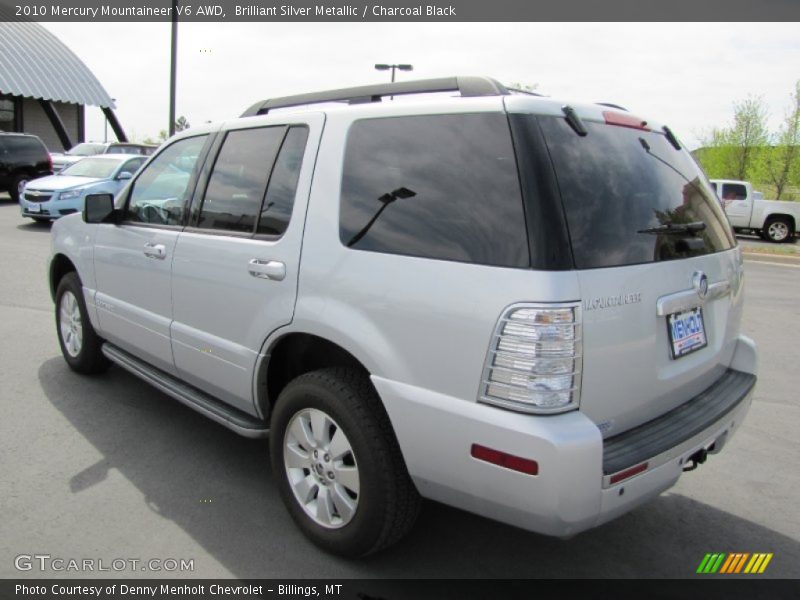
(670, 228)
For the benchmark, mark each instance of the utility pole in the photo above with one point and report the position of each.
(173, 68)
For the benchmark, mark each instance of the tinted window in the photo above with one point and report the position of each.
(122, 150)
(733, 191)
(277, 209)
(239, 179)
(26, 149)
(622, 188)
(160, 193)
(442, 186)
(86, 149)
(7, 109)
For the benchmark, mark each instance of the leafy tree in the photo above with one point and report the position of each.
(181, 124)
(738, 147)
(782, 165)
(523, 87)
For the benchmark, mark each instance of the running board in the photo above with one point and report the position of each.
(216, 410)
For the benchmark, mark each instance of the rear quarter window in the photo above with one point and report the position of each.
(435, 186)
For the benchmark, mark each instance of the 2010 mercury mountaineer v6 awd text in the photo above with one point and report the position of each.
(521, 307)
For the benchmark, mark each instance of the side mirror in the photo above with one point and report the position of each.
(124, 175)
(98, 208)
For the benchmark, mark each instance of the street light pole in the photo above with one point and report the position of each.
(173, 68)
(385, 67)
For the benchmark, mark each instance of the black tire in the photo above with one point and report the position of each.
(778, 230)
(387, 502)
(89, 358)
(15, 185)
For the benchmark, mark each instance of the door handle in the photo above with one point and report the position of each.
(267, 269)
(158, 251)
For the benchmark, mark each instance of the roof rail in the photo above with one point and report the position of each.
(467, 86)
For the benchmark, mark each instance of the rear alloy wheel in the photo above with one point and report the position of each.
(321, 468)
(80, 345)
(778, 230)
(338, 465)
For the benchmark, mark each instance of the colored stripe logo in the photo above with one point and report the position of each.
(735, 562)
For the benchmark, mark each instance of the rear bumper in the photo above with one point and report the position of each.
(572, 491)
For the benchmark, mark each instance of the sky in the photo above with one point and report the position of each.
(687, 75)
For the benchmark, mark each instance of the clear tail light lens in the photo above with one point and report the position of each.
(534, 361)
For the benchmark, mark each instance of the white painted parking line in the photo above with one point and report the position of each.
(774, 264)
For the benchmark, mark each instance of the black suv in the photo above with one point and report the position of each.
(22, 158)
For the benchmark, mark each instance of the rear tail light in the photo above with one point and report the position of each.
(534, 361)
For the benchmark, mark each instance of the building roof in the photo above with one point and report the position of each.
(36, 64)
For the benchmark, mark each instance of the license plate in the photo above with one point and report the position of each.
(687, 332)
(34, 208)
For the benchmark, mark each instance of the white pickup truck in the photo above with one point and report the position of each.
(775, 220)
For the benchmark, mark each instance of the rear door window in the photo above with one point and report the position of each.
(630, 197)
(434, 186)
(253, 184)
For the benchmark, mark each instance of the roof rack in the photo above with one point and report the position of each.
(467, 86)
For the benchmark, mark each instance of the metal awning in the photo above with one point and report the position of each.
(36, 64)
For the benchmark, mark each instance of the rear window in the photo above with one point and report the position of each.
(434, 186)
(733, 191)
(99, 168)
(630, 197)
(26, 148)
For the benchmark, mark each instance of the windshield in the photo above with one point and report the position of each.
(99, 168)
(630, 197)
(86, 150)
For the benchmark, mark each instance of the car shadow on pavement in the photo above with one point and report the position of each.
(35, 227)
(217, 487)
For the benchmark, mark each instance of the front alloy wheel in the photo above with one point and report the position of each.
(70, 324)
(321, 468)
(80, 345)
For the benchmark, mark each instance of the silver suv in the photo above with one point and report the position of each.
(520, 307)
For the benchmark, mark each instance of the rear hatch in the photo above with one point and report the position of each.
(648, 241)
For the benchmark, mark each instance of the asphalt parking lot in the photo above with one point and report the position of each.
(108, 468)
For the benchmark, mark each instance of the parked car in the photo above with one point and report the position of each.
(22, 158)
(62, 194)
(85, 149)
(774, 220)
(522, 307)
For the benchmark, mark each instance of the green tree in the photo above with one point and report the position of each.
(782, 165)
(181, 124)
(738, 147)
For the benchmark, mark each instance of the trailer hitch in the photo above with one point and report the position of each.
(696, 459)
